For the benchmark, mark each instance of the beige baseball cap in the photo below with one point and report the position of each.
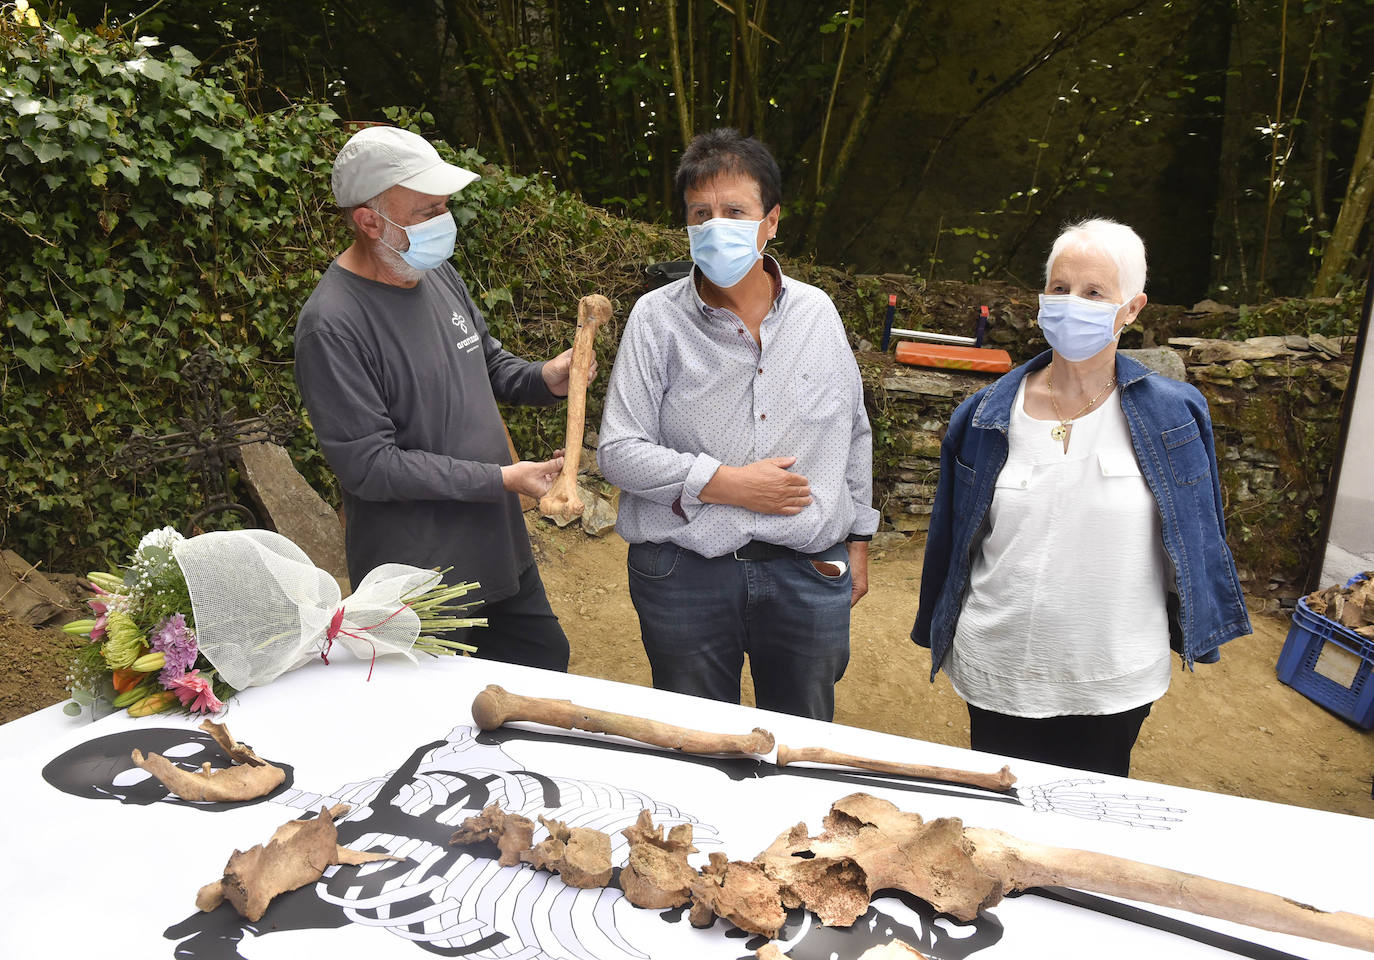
(378, 158)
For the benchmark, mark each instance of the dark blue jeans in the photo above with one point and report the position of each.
(700, 616)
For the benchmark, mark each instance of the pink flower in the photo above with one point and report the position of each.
(195, 693)
(101, 609)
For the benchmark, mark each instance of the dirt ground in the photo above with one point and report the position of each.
(1230, 727)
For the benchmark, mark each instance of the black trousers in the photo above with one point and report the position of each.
(520, 629)
(1100, 744)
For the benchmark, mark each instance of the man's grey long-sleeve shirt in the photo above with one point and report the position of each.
(692, 390)
(401, 385)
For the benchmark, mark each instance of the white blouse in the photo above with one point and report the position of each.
(1065, 611)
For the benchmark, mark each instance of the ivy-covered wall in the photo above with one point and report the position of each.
(149, 207)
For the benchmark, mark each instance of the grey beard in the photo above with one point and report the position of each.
(397, 267)
(388, 255)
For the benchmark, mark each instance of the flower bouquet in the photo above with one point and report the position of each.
(190, 621)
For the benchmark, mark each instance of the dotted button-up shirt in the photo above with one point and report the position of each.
(692, 390)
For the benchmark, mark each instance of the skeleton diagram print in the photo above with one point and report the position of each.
(457, 901)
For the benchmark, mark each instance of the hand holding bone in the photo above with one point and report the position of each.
(562, 500)
(533, 479)
(556, 372)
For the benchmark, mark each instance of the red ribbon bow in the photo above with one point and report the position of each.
(336, 628)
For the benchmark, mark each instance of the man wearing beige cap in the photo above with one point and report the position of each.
(401, 379)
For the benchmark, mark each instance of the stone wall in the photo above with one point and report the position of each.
(1275, 404)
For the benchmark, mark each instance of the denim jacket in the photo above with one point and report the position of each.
(1172, 436)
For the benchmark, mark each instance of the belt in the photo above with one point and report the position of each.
(761, 550)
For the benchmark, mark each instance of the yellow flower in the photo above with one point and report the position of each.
(153, 703)
(23, 13)
(123, 642)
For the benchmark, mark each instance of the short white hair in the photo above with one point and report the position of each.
(1116, 240)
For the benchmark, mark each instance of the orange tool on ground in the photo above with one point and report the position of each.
(946, 350)
(982, 359)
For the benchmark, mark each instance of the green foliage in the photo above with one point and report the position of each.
(529, 252)
(147, 211)
(1275, 441)
(148, 207)
(1331, 317)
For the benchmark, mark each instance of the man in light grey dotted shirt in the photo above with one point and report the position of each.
(735, 429)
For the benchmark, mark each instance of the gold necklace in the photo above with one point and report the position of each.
(1061, 430)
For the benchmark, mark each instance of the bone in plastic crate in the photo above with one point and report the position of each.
(1330, 664)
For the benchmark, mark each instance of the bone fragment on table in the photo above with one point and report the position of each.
(656, 874)
(1000, 781)
(892, 950)
(513, 834)
(1020, 864)
(495, 706)
(581, 856)
(869, 845)
(248, 778)
(739, 892)
(238, 752)
(562, 499)
(297, 854)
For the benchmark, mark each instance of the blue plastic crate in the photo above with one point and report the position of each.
(1307, 639)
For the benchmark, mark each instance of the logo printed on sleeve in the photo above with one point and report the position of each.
(470, 340)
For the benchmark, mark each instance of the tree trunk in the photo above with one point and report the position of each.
(908, 185)
(486, 103)
(1354, 213)
(830, 106)
(1277, 125)
(748, 115)
(684, 116)
(528, 114)
(879, 75)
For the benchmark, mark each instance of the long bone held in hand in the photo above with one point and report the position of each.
(1001, 781)
(562, 499)
(495, 706)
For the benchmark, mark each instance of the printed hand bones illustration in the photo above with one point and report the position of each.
(1131, 810)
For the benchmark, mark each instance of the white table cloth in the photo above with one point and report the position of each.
(99, 863)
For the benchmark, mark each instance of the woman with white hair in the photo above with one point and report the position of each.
(1077, 533)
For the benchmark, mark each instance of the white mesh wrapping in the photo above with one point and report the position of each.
(262, 608)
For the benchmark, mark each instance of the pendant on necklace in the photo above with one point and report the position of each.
(1059, 431)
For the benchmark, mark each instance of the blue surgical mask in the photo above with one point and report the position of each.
(725, 249)
(431, 241)
(1077, 328)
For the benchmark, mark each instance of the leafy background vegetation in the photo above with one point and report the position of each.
(949, 138)
(154, 199)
